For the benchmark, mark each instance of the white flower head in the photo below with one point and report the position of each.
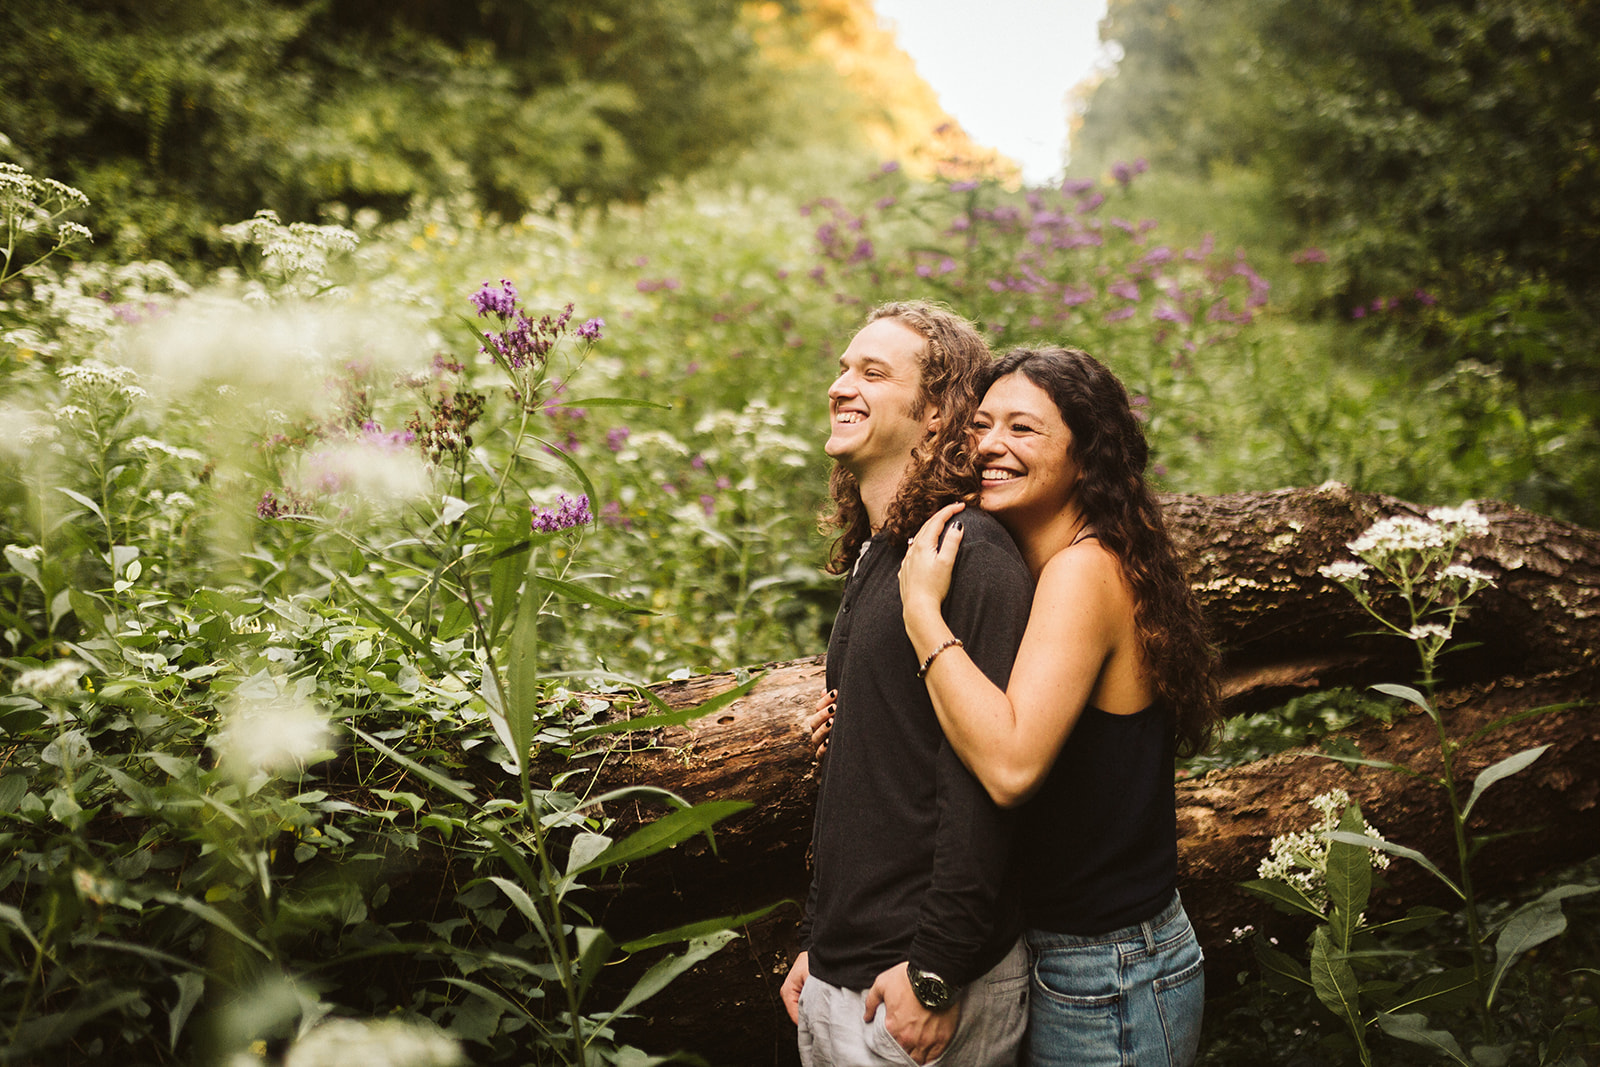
(54, 682)
(1430, 631)
(1344, 571)
(1399, 533)
(272, 734)
(1300, 859)
(1460, 572)
(391, 1042)
(1466, 517)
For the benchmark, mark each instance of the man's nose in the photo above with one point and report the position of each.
(842, 386)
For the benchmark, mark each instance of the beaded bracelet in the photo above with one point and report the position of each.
(922, 672)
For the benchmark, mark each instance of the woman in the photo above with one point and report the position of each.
(1114, 676)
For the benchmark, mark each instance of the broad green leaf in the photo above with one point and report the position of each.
(1414, 919)
(1531, 925)
(594, 949)
(1450, 990)
(1503, 769)
(460, 790)
(13, 787)
(663, 833)
(1278, 892)
(704, 928)
(615, 402)
(1413, 1027)
(1397, 850)
(498, 1000)
(1349, 879)
(585, 847)
(582, 594)
(190, 987)
(505, 578)
(85, 501)
(1405, 692)
(212, 916)
(662, 973)
(525, 904)
(1274, 963)
(522, 674)
(1334, 982)
(13, 918)
(23, 565)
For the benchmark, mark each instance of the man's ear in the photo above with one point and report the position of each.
(934, 420)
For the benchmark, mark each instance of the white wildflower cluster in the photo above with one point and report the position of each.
(295, 257)
(93, 380)
(146, 445)
(1466, 519)
(57, 681)
(23, 430)
(1300, 859)
(1344, 571)
(30, 205)
(391, 1042)
(1399, 533)
(272, 733)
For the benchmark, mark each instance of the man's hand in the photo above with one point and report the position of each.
(790, 991)
(922, 1033)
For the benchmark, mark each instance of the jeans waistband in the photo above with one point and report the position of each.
(1146, 931)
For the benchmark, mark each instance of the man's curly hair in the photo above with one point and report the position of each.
(954, 360)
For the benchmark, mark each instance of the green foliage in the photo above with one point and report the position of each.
(179, 117)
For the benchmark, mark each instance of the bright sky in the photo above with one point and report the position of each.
(1003, 68)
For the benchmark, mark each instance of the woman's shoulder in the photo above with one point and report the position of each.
(1081, 569)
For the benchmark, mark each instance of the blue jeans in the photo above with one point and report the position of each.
(1128, 998)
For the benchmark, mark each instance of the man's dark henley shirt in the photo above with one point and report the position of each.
(909, 854)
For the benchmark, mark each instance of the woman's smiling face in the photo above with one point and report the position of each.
(1024, 452)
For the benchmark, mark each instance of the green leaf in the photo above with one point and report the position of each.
(615, 402)
(85, 501)
(13, 787)
(1413, 1027)
(13, 918)
(190, 987)
(594, 949)
(582, 594)
(1531, 925)
(522, 675)
(505, 578)
(1415, 919)
(1405, 692)
(663, 833)
(525, 904)
(1289, 972)
(704, 928)
(212, 916)
(1334, 982)
(669, 717)
(1349, 879)
(661, 974)
(460, 790)
(1451, 990)
(1290, 898)
(1396, 850)
(1503, 769)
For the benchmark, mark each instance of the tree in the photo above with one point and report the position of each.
(1286, 631)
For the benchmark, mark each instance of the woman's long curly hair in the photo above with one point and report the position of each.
(954, 360)
(1109, 448)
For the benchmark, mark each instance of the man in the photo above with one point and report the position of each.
(910, 940)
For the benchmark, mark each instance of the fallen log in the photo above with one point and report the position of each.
(1285, 630)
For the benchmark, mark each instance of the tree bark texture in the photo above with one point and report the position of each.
(1285, 631)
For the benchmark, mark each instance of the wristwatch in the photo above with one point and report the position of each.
(933, 992)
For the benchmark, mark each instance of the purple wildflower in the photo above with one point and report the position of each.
(1309, 255)
(590, 331)
(501, 301)
(566, 514)
(708, 503)
(617, 437)
(1425, 298)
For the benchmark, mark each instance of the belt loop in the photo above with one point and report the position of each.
(1149, 929)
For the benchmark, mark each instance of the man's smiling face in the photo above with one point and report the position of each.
(873, 406)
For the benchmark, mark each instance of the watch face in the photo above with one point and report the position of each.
(934, 992)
